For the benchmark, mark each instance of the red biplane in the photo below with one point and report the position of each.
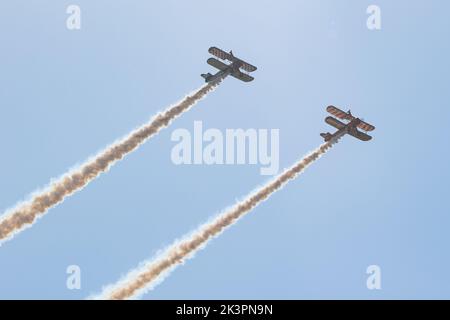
(351, 125)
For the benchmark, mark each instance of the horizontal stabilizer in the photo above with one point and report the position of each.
(326, 136)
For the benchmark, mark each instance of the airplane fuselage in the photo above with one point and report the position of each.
(352, 125)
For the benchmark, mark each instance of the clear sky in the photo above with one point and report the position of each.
(65, 94)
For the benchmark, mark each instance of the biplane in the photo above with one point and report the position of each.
(235, 68)
(350, 125)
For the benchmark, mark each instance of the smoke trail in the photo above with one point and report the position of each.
(151, 273)
(24, 214)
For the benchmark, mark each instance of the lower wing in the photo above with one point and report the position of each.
(242, 76)
(360, 135)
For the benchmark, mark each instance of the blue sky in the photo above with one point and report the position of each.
(64, 95)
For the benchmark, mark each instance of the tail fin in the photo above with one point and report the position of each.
(326, 136)
(206, 76)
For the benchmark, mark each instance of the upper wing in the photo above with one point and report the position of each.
(334, 122)
(365, 126)
(219, 53)
(242, 76)
(217, 64)
(247, 66)
(338, 113)
(360, 135)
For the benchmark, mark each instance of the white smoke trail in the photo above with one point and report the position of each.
(24, 214)
(149, 274)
